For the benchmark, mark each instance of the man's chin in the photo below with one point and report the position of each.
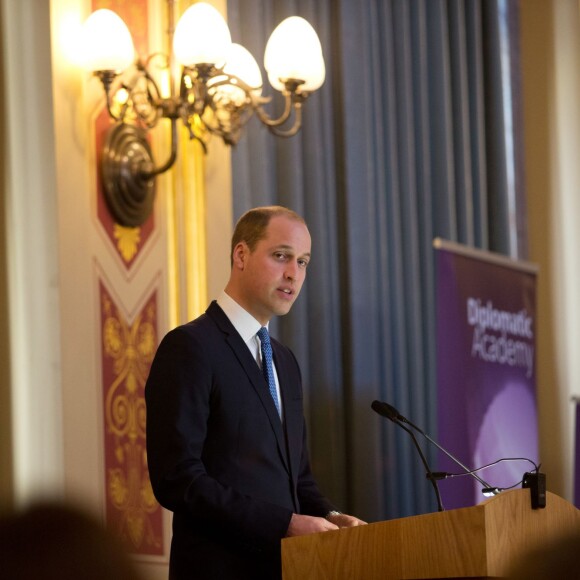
(283, 309)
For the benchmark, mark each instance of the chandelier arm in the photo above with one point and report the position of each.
(147, 175)
(221, 78)
(117, 118)
(275, 130)
(267, 120)
(107, 77)
(151, 82)
(148, 110)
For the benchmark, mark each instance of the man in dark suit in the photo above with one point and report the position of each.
(226, 443)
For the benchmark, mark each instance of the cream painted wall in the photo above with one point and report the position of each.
(6, 458)
(31, 242)
(551, 88)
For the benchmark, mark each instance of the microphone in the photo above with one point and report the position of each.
(387, 411)
(391, 413)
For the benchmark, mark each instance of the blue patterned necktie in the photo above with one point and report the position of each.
(267, 367)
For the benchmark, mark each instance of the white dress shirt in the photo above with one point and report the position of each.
(247, 327)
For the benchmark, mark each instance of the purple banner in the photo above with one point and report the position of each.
(486, 377)
(577, 459)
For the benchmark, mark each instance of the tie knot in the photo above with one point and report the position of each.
(263, 335)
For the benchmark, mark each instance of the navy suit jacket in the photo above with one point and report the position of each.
(218, 455)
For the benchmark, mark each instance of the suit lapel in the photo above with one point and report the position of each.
(254, 374)
(292, 419)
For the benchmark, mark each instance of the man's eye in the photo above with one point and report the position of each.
(280, 255)
(303, 263)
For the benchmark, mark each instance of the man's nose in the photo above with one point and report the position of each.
(291, 271)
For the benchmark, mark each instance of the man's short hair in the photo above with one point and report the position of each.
(251, 227)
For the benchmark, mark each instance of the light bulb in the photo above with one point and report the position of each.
(108, 45)
(201, 36)
(293, 51)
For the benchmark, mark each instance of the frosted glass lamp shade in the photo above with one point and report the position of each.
(108, 45)
(293, 51)
(201, 36)
(243, 65)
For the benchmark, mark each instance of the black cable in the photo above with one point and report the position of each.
(444, 475)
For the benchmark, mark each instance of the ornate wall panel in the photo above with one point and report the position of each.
(127, 352)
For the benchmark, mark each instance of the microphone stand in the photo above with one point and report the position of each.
(430, 476)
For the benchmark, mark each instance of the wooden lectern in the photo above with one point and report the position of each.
(474, 542)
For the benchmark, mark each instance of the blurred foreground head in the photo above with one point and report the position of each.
(51, 541)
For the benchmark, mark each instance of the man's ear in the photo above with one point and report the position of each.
(240, 255)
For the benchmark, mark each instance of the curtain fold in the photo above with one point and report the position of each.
(394, 151)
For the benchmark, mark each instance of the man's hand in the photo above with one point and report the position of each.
(345, 521)
(302, 525)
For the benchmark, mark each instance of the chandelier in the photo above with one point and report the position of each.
(219, 89)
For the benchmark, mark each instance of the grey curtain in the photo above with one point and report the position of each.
(415, 134)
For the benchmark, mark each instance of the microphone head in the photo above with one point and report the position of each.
(385, 410)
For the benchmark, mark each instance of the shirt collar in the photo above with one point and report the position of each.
(246, 325)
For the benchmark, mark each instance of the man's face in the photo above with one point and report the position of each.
(272, 275)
